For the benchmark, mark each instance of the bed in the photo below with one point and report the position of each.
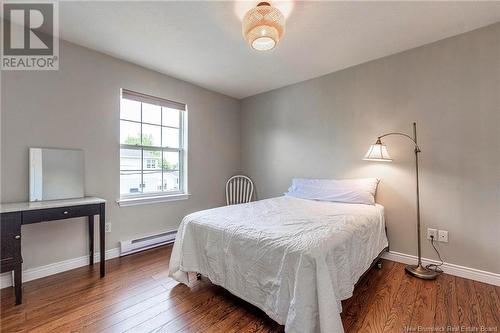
(294, 258)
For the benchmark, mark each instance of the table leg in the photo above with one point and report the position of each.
(18, 283)
(91, 240)
(102, 243)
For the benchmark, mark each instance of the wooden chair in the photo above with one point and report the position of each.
(239, 189)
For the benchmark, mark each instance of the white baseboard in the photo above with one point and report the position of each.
(452, 269)
(57, 267)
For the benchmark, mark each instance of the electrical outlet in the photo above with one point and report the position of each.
(433, 233)
(443, 236)
(107, 227)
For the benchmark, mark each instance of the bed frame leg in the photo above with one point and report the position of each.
(379, 264)
(198, 276)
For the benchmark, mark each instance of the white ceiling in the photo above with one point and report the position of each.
(201, 42)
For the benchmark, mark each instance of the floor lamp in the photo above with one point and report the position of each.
(378, 152)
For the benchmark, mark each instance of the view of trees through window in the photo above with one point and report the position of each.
(147, 140)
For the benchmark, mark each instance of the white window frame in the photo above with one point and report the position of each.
(158, 196)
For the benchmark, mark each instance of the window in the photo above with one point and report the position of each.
(152, 147)
(150, 164)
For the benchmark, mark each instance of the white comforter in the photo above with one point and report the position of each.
(295, 259)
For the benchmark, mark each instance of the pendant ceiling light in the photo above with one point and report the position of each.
(263, 26)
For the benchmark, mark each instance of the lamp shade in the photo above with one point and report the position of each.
(378, 152)
(263, 26)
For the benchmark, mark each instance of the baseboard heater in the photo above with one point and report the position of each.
(148, 242)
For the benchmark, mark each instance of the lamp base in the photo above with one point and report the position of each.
(421, 272)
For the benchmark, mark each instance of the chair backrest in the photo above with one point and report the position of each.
(239, 189)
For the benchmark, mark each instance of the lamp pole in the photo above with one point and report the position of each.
(417, 150)
(416, 270)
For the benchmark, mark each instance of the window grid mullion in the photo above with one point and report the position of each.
(153, 148)
(180, 156)
(142, 157)
(161, 144)
(145, 123)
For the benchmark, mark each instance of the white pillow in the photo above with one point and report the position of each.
(361, 190)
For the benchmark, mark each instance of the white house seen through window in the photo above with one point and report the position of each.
(152, 146)
(151, 163)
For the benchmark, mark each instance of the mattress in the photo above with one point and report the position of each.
(293, 258)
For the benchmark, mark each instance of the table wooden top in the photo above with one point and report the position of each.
(24, 206)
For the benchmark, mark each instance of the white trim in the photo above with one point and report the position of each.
(125, 202)
(57, 267)
(452, 269)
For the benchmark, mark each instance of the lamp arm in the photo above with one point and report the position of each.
(417, 148)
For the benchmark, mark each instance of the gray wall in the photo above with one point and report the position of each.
(323, 127)
(78, 107)
(318, 128)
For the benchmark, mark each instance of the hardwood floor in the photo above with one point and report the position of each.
(137, 296)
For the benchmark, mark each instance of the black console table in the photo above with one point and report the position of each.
(13, 215)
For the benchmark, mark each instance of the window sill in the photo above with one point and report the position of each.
(125, 202)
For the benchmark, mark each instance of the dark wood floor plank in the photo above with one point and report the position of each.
(84, 316)
(489, 304)
(179, 296)
(469, 313)
(380, 308)
(85, 297)
(87, 274)
(402, 307)
(189, 319)
(354, 315)
(138, 296)
(210, 316)
(233, 323)
(425, 305)
(264, 324)
(182, 314)
(53, 293)
(446, 313)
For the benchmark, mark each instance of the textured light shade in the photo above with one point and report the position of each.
(378, 152)
(263, 26)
